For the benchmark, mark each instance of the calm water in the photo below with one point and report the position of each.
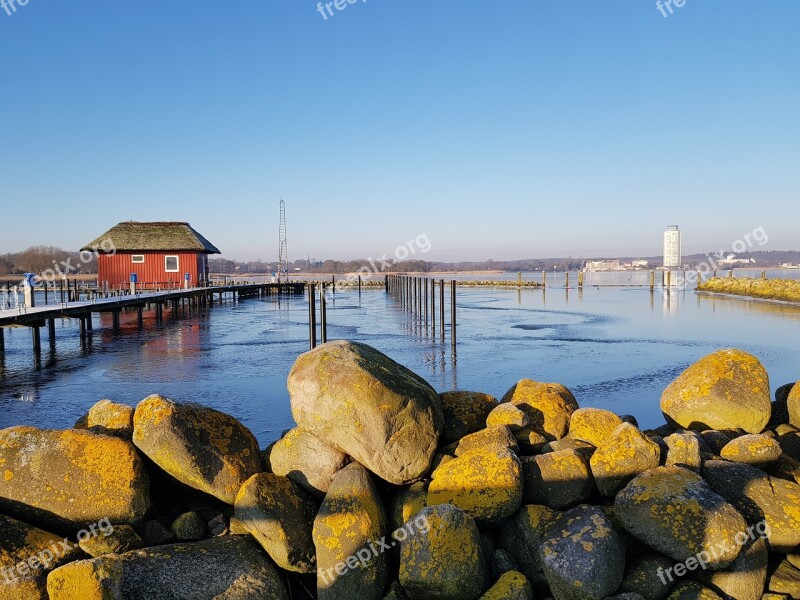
(615, 347)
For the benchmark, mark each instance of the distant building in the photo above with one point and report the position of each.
(672, 247)
(731, 260)
(602, 265)
(161, 254)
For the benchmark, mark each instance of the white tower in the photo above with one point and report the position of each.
(672, 247)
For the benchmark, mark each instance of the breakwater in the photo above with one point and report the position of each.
(386, 489)
(786, 290)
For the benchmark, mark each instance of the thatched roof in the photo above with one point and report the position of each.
(134, 236)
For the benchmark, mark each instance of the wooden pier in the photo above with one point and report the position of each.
(40, 316)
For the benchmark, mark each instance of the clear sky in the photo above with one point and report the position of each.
(510, 129)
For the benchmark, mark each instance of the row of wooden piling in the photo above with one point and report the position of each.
(417, 296)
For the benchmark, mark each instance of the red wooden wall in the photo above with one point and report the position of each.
(117, 268)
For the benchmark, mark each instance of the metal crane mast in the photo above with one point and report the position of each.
(283, 255)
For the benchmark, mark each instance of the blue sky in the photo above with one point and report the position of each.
(501, 130)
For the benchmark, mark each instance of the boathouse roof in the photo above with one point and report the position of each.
(160, 236)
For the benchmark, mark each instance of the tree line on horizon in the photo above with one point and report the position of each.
(37, 259)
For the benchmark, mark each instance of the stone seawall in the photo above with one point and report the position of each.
(387, 489)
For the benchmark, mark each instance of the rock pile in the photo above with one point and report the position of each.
(388, 490)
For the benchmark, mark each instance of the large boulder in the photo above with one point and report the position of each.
(684, 450)
(197, 445)
(785, 580)
(485, 483)
(672, 510)
(69, 479)
(219, 568)
(509, 415)
(499, 435)
(350, 519)
(464, 413)
(626, 453)
(279, 515)
(445, 563)
(306, 460)
(370, 407)
(27, 551)
(649, 575)
(549, 406)
(593, 425)
(582, 556)
(728, 389)
(559, 480)
(770, 505)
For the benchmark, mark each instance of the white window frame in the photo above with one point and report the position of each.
(177, 268)
(134, 258)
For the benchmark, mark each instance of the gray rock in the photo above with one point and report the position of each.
(745, 578)
(650, 576)
(121, 539)
(691, 590)
(559, 480)
(511, 585)
(672, 510)
(368, 406)
(759, 498)
(464, 413)
(189, 527)
(214, 569)
(753, 449)
(684, 450)
(523, 534)
(307, 460)
(582, 556)
(279, 515)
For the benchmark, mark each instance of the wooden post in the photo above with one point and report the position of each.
(433, 307)
(115, 319)
(89, 322)
(453, 314)
(312, 316)
(669, 279)
(2, 341)
(544, 279)
(763, 276)
(139, 316)
(580, 279)
(51, 332)
(37, 340)
(652, 280)
(425, 303)
(519, 279)
(566, 278)
(323, 314)
(441, 306)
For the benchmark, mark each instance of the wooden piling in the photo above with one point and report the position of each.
(312, 316)
(441, 307)
(453, 314)
(323, 315)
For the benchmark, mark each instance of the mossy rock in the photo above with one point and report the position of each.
(121, 539)
(753, 449)
(684, 450)
(67, 479)
(223, 567)
(724, 390)
(110, 418)
(793, 405)
(280, 516)
(745, 578)
(672, 510)
(512, 585)
(350, 519)
(548, 405)
(197, 445)
(464, 413)
(499, 435)
(447, 562)
(24, 588)
(785, 580)
(407, 503)
(509, 415)
(368, 406)
(559, 480)
(759, 497)
(583, 557)
(189, 527)
(593, 425)
(29, 551)
(626, 453)
(486, 483)
(306, 460)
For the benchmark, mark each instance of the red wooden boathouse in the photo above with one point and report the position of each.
(161, 254)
